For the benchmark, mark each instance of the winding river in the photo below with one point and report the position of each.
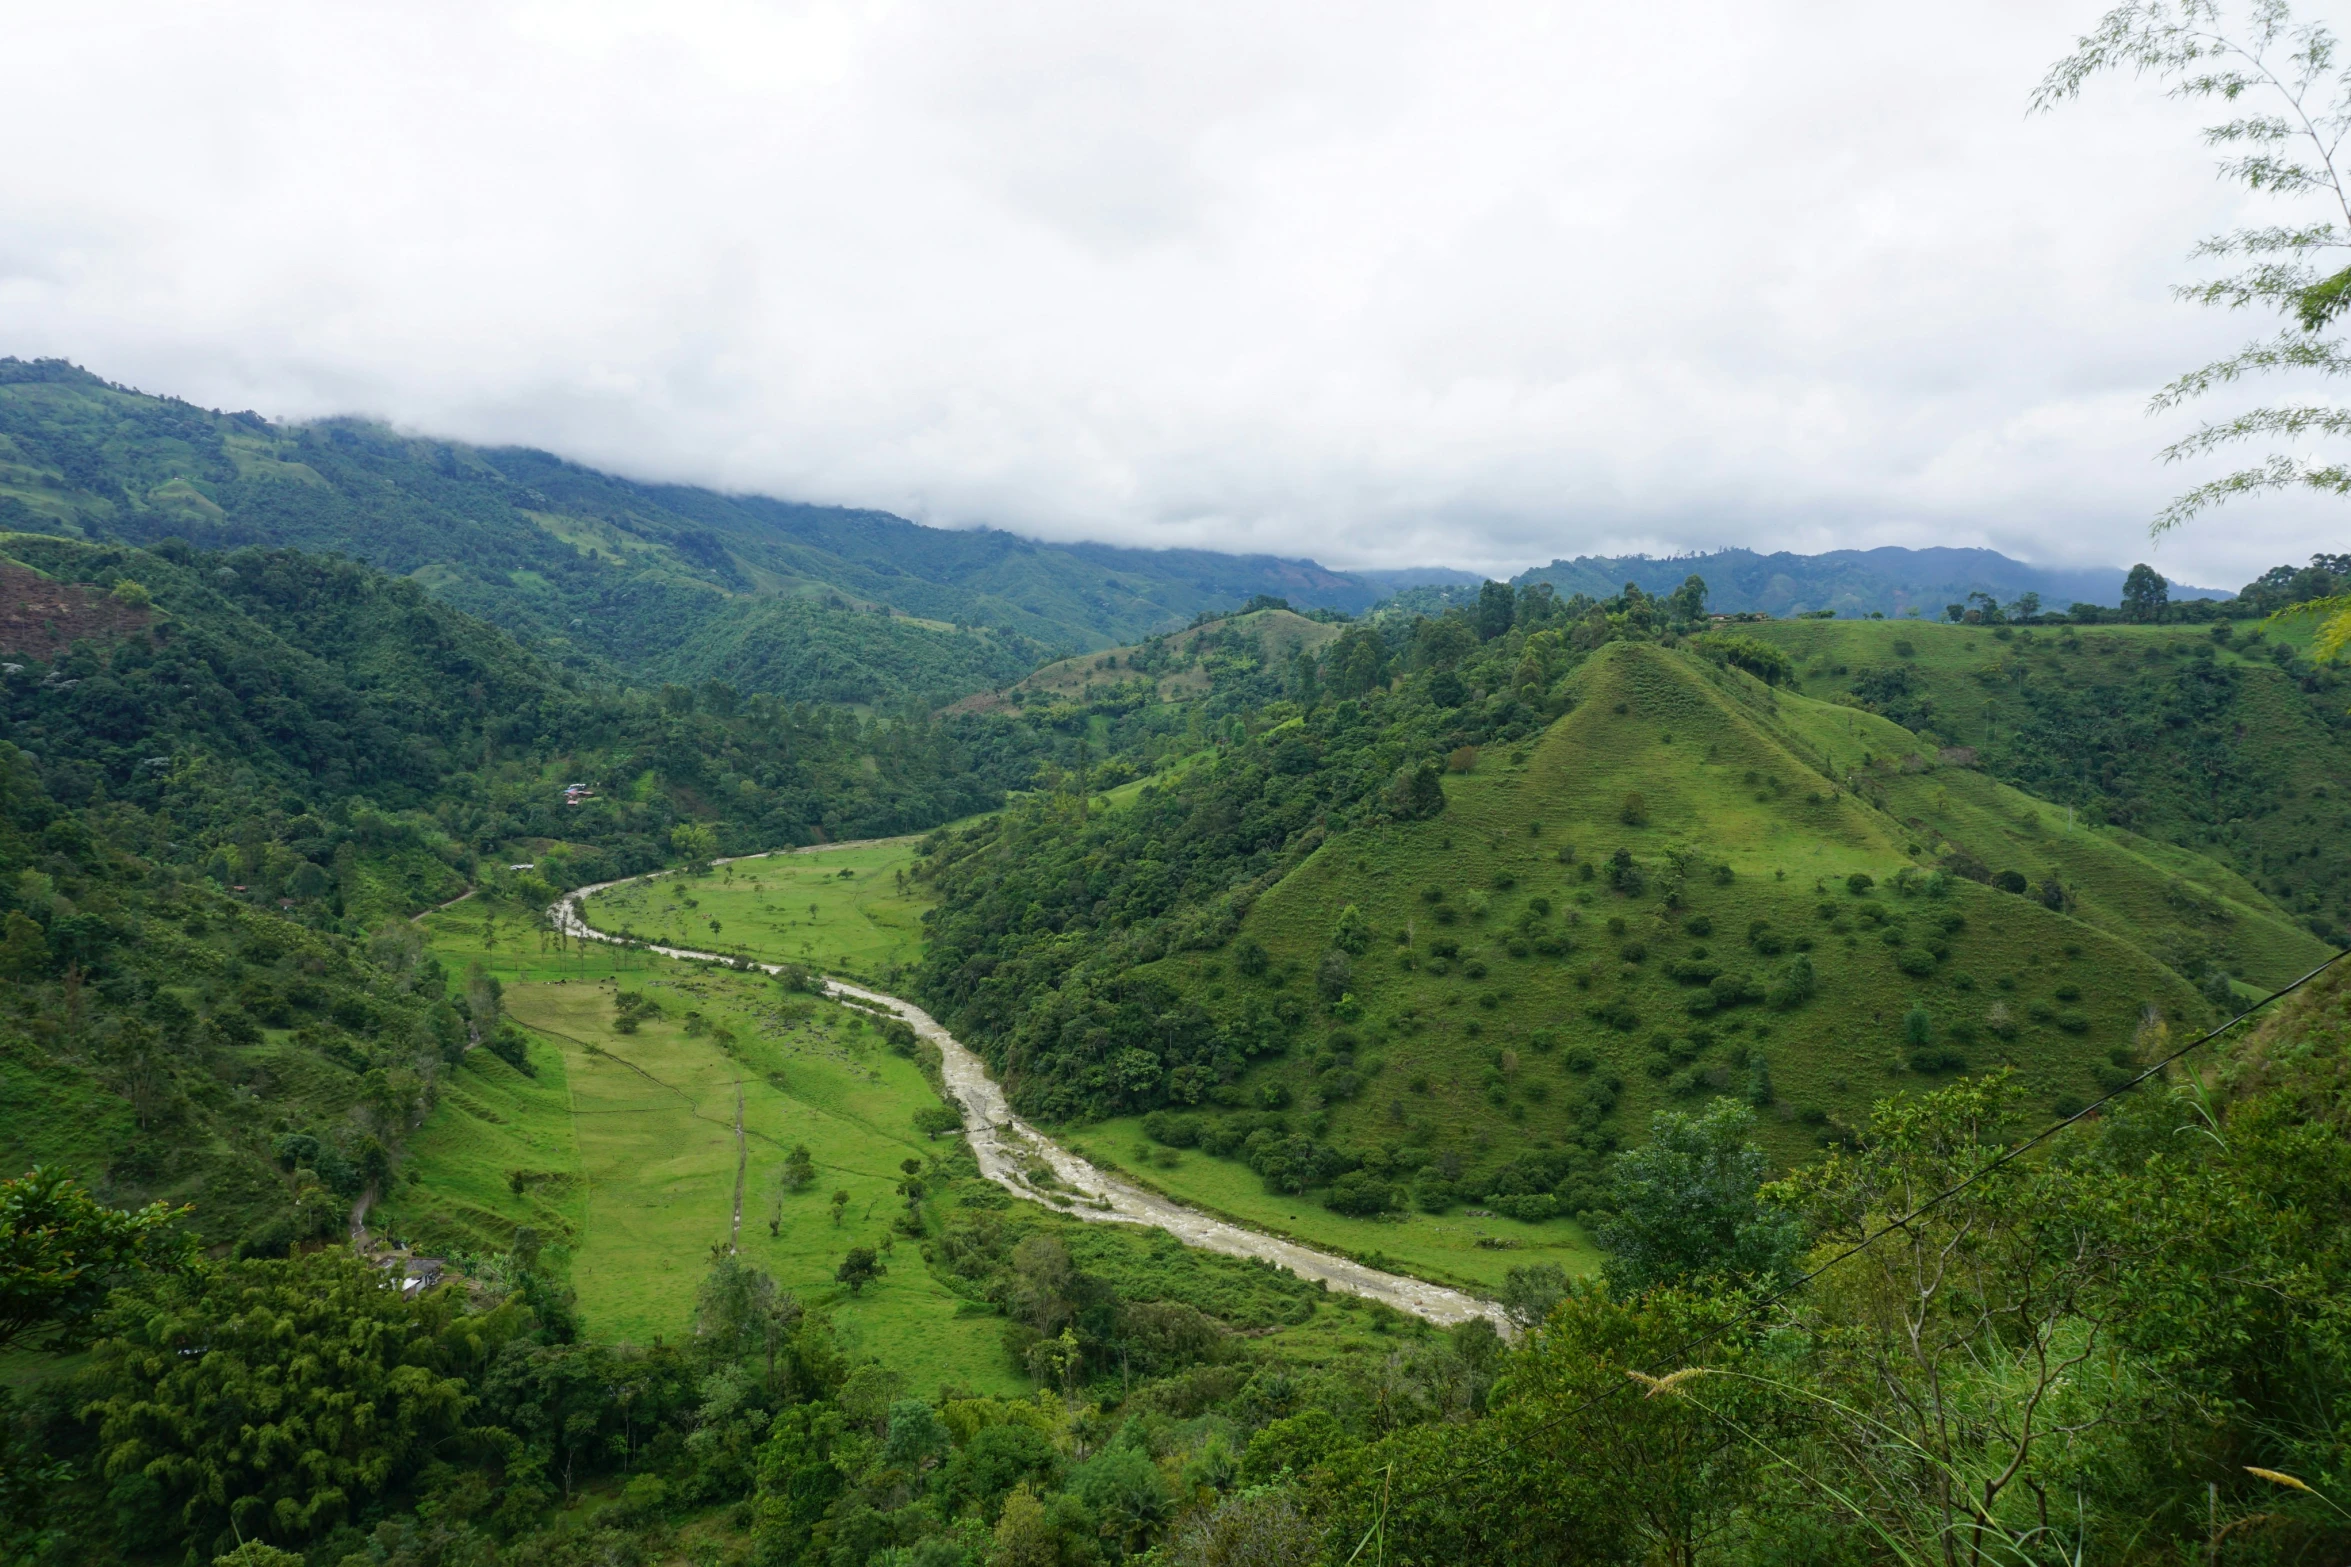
(1017, 1157)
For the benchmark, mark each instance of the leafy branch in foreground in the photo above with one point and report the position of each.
(61, 1251)
(2293, 150)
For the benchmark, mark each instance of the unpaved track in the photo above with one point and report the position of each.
(1009, 1150)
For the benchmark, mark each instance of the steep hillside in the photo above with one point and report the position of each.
(664, 582)
(1640, 877)
(1655, 902)
(315, 730)
(2220, 740)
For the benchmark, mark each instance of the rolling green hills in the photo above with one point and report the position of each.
(2222, 740)
(1642, 877)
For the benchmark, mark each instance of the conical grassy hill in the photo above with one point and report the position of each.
(1692, 885)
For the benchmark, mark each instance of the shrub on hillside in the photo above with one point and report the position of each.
(1416, 793)
(1793, 985)
(1360, 1195)
(1176, 1131)
(1333, 974)
(1351, 933)
(1760, 659)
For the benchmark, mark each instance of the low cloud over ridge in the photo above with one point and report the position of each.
(1484, 285)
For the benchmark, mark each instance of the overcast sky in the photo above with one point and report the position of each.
(1473, 283)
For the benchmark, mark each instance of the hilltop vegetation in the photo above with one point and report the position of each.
(1887, 580)
(1265, 636)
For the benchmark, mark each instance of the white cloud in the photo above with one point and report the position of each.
(1483, 283)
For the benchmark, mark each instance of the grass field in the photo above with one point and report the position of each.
(627, 1156)
(842, 911)
(1442, 1247)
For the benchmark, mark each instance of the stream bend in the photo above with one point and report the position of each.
(1012, 1153)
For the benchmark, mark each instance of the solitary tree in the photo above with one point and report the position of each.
(2144, 593)
(799, 1168)
(1416, 792)
(860, 1268)
(840, 1207)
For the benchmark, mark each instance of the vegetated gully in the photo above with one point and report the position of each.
(1009, 1149)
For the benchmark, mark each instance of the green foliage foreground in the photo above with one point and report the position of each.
(2126, 1350)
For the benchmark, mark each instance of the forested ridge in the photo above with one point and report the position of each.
(658, 582)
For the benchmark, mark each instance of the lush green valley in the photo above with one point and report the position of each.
(1608, 960)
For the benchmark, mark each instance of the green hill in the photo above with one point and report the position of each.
(2222, 740)
(1645, 878)
(285, 709)
(1512, 1009)
(661, 582)
(228, 774)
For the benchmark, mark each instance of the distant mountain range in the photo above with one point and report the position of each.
(1888, 579)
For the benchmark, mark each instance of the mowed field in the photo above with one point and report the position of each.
(846, 911)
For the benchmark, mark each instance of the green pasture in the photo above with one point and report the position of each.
(625, 1143)
(458, 1196)
(847, 911)
(653, 1115)
(625, 1147)
(628, 1147)
(1442, 1247)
